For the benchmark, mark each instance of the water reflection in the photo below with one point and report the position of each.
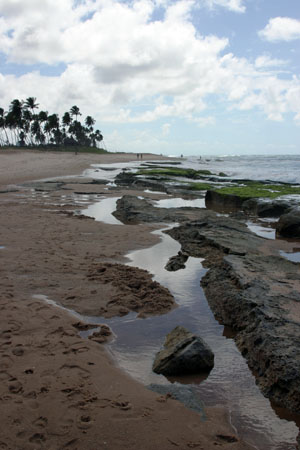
(180, 202)
(262, 230)
(102, 211)
(230, 383)
(291, 256)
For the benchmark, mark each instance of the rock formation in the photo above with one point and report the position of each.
(183, 353)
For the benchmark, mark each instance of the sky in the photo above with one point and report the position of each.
(191, 77)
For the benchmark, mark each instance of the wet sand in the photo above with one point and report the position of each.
(58, 390)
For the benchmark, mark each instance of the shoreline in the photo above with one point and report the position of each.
(29, 165)
(59, 390)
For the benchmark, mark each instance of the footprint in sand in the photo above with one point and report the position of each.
(6, 362)
(5, 345)
(18, 350)
(64, 371)
(84, 422)
(76, 349)
(41, 422)
(4, 376)
(37, 438)
(15, 387)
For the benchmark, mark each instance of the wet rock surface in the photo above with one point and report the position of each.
(289, 223)
(260, 207)
(155, 183)
(220, 202)
(257, 293)
(177, 262)
(183, 353)
(131, 209)
(55, 185)
(264, 207)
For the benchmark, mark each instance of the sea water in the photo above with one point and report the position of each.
(283, 168)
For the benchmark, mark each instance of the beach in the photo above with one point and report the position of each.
(59, 390)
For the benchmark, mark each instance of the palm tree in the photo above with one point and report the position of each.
(98, 136)
(27, 123)
(89, 121)
(66, 120)
(52, 124)
(74, 111)
(30, 103)
(2, 125)
(28, 128)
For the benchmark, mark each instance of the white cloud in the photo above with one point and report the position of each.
(264, 61)
(122, 67)
(233, 5)
(281, 29)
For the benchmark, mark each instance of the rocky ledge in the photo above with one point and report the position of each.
(255, 293)
(131, 209)
(249, 287)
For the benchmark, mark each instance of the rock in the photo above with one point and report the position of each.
(223, 202)
(125, 178)
(45, 186)
(265, 207)
(131, 209)
(255, 294)
(177, 262)
(183, 353)
(289, 223)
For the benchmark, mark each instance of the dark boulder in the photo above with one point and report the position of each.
(177, 262)
(265, 207)
(183, 353)
(220, 202)
(289, 223)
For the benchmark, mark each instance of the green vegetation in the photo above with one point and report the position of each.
(199, 186)
(22, 126)
(256, 189)
(175, 172)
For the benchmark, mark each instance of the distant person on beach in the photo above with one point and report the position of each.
(137, 155)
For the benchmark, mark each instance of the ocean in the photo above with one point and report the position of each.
(284, 168)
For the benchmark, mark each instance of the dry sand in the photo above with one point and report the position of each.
(58, 390)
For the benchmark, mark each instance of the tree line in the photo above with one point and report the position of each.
(22, 125)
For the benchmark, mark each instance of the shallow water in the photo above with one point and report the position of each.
(230, 383)
(102, 211)
(291, 256)
(262, 230)
(178, 202)
(109, 171)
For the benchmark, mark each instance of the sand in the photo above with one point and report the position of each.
(59, 390)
